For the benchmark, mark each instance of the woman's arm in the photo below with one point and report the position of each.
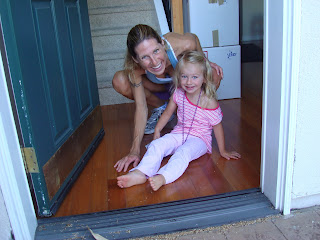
(140, 120)
(219, 134)
(140, 117)
(165, 116)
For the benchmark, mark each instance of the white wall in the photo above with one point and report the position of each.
(306, 175)
(5, 228)
(251, 20)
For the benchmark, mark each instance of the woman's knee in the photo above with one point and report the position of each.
(120, 83)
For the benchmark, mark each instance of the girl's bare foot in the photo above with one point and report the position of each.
(157, 181)
(132, 178)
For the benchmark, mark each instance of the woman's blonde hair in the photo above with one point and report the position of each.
(136, 35)
(196, 57)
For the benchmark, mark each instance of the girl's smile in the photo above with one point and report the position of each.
(191, 78)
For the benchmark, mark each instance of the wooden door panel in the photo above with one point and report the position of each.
(56, 94)
(65, 162)
(52, 72)
(76, 37)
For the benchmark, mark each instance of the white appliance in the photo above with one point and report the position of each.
(216, 23)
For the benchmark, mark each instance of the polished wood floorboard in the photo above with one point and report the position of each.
(96, 188)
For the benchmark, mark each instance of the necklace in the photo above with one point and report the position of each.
(184, 140)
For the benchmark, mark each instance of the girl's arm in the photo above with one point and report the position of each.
(165, 116)
(219, 134)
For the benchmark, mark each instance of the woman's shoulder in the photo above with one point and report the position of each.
(177, 36)
(181, 43)
(137, 74)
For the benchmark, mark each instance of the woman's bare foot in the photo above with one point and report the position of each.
(132, 178)
(157, 181)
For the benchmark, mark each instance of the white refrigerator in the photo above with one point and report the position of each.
(216, 23)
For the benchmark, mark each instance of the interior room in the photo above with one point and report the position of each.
(96, 188)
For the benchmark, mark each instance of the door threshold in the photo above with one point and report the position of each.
(160, 218)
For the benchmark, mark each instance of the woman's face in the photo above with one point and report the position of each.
(151, 56)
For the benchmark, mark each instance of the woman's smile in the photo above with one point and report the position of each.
(151, 56)
(158, 67)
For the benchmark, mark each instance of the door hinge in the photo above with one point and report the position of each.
(30, 160)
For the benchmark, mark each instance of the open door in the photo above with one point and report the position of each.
(49, 52)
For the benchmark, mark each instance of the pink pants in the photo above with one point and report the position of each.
(169, 144)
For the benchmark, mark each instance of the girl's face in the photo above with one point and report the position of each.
(191, 78)
(151, 56)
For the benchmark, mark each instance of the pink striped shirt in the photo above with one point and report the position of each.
(203, 122)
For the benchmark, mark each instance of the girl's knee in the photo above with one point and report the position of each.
(156, 143)
(163, 145)
(188, 154)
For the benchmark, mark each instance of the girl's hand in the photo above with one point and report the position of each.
(217, 68)
(229, 155)
(156, 135)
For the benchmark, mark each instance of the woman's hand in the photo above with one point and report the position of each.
(124, 163)
(229, 155)
(218, 69)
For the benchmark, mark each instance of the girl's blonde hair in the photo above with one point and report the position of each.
(137, 34)
(196, 57)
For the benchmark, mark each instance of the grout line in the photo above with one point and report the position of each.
(107, 13)
(272, 221)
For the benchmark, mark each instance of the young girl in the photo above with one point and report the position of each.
(198, 112)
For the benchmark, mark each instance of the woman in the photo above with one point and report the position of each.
(149, 65)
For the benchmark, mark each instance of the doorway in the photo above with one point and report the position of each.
(271, 171)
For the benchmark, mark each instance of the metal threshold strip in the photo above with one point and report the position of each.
(160, 218)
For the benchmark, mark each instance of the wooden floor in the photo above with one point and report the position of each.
(96, 189)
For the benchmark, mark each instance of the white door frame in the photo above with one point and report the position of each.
(280, 90)
(13, 180)
(281, 64)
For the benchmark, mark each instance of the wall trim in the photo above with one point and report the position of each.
(277, 185)
(293, 23)
(264, 98)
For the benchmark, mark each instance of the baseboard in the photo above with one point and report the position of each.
(304, 202)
